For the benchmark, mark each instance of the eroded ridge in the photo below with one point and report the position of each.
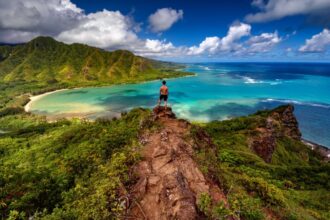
(169, 180)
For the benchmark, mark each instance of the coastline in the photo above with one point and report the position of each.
(323, 150)
(37, 97)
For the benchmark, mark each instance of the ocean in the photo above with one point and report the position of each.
(219, 91)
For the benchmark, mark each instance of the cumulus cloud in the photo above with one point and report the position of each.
(231, 44)
(105, 29)
(235, 32)
(263, 42)
(22, 20)
(158, 46)
(210, 44)
(16, 36)
(318, 43)
(228, 43)
(26, 19)
(164, 18)
(277, 9)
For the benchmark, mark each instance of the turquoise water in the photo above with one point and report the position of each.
(219, 91)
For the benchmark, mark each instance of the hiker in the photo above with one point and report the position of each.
(163, 94)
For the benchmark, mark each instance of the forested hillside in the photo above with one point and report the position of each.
(46, 60)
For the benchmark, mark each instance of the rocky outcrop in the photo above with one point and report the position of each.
(162, 112)
(288, 122)
(169, 180)
(264, 144)
(279, 123)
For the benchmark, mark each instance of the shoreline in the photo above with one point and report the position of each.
(321, 149)
(37, 97)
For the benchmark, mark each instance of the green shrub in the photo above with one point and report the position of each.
(269, 193)
(204, 203)
(244, 206)
(213, 211)
(67, 169)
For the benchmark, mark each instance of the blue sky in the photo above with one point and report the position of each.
(179, 30)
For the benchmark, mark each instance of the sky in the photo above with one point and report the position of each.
(179, 30)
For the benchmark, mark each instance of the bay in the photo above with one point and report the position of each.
(219, 91)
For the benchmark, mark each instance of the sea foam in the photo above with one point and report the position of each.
(289, 101)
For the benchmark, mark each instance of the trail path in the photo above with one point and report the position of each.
(169, 180)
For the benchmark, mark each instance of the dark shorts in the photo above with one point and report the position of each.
(163, 97)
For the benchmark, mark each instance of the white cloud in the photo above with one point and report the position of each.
(22, 20)
(160, 49)
(235, 32)
(318, 43)
(277, 9)
(210, 45)
(228, 43)
(36, 17)
(263, 42)
(16, 36)
(164, 18)
(158, 46)
(105, 29)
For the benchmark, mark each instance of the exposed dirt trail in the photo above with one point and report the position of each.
(169, 180)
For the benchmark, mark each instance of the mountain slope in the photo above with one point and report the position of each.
(46, 60)
(146, 165)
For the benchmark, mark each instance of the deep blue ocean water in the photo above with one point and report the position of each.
(218, 92)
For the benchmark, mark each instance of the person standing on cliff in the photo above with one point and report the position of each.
(163, 94)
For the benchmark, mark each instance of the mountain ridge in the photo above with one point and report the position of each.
(45, 59)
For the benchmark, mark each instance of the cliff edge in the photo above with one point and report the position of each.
(186, 174)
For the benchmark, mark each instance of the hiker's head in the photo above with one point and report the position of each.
(164, 82)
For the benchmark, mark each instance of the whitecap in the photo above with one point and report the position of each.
(249, 80)
(290, 101)
(206, 68)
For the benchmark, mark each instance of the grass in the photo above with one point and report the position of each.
(66, 169)
(295, 185)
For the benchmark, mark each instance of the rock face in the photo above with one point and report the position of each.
(169, 180)
(264, 144)
(288, 121)
(281, 122)
(162, 112)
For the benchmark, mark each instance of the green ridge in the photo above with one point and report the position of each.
(46, 60)
(73, 169)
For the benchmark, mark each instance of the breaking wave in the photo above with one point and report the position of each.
(289, 101)
(249, 80)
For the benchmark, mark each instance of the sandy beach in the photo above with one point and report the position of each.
(34, 98)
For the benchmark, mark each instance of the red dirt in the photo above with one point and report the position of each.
(169, 180)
